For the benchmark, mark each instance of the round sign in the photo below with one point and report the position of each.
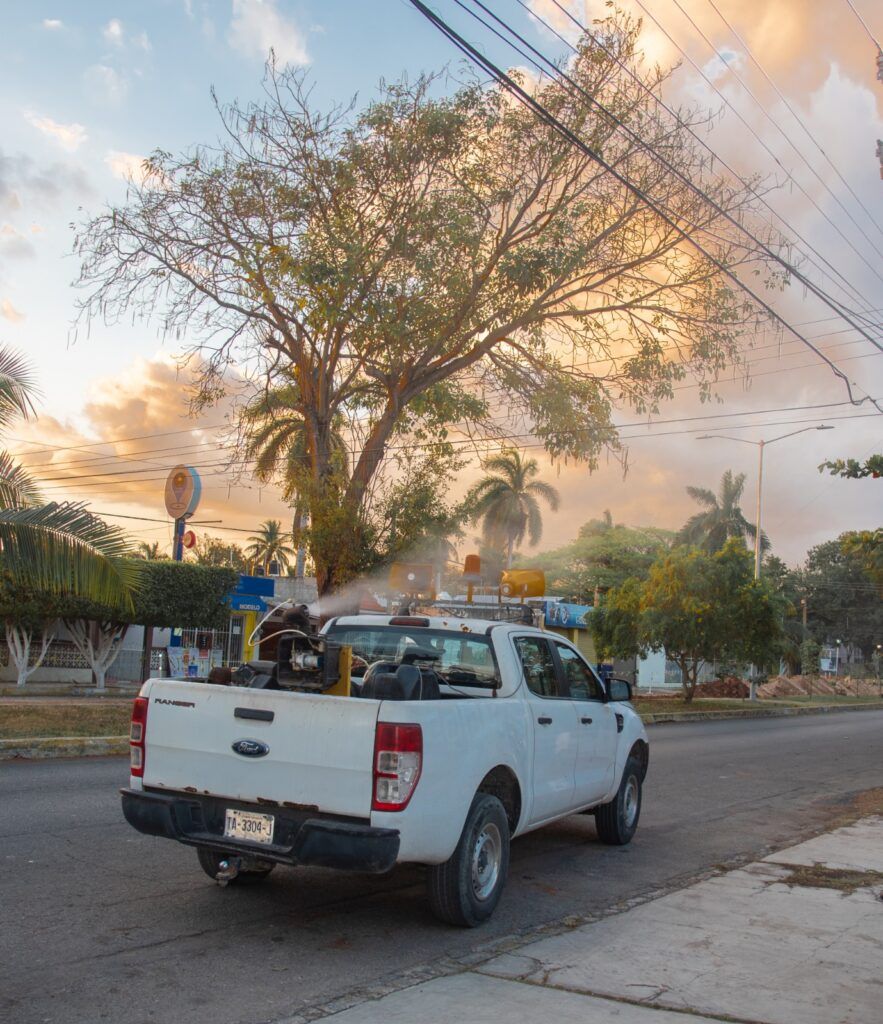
(183, 488)
(189, 539)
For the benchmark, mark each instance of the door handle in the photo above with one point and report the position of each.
(544, 721)
(257, 714)
(586, 721)
(620, 722)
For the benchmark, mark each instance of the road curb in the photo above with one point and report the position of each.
(63, 746)
(106, 746)
(706, 716)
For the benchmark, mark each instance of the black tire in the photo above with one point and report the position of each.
(617, 820)
(210, 862)
(465, 890)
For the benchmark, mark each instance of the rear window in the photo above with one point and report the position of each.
(460, 659)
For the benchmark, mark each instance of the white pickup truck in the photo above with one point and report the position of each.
(459, 735)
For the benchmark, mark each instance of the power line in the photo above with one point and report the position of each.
(765, 146)
(779, 128)
(789, 369)
(748, 357)
(118, 440)
(796, 116)
(863, 24)
(665, 163)
(187, 450)
(508, 83)
(647, 430)
(648, 425)
(844, 283)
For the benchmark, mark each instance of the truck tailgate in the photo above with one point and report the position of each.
(320, 748)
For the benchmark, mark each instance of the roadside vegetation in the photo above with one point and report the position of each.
(110, 716)
(41, 718)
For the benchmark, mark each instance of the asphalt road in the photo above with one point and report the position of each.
(100, 923)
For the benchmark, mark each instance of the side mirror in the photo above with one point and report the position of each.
(619, 690)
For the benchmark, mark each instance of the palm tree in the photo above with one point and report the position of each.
(506, 501)
(268, 545)
(276, 439)
(598, 527)
(149, 551)
(48, 550)
(722, 517)
(57, 547)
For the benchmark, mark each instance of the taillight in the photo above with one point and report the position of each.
(137, 736)
(398, 756)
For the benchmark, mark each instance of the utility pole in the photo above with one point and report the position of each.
(760, 445)
(803, 608)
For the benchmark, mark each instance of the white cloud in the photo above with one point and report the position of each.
(15, 245)
(128, 166)
(258, 26)
(52, 24)
(68, 136)
(105, 86)
(10, 313)
(113, 32)
(717, 67)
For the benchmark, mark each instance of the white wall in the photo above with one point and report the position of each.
(651, 672)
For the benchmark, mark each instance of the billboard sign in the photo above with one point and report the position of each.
(182, 492)
(566, 616)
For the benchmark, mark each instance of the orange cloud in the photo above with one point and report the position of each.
(136, 428)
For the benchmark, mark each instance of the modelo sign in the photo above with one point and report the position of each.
(182, 493)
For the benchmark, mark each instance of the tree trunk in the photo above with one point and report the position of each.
(148, 650)
(99, 643)
(689, 669)
(19, 640)
(510, 550)
(300, 560)
(337, 542)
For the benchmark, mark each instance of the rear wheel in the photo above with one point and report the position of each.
(465, 889)
(212, 863)
(617, 820)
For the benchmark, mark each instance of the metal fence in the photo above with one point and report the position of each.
(61, 654)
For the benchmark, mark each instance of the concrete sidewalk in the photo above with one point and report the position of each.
(794, 939)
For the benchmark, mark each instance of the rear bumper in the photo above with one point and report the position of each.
(320, 841)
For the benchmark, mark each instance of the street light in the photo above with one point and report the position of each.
(760, 447)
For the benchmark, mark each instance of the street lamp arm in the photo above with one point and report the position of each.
(725, 437)
(795, 432)
(745, 440)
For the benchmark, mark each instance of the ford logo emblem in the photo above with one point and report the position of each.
(251, 748)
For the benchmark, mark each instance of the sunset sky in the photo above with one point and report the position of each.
(87, 89)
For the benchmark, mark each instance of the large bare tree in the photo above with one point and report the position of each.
(434, 262)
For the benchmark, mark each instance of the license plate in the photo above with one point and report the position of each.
(256, 828)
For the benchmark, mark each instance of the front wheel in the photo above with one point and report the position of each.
(465, 889)
(617, 820)
(212, 863)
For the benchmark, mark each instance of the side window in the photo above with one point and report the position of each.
(579, 677)
(539, 665)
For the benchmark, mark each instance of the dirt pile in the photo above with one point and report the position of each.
(782, 687)
(730, 687)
